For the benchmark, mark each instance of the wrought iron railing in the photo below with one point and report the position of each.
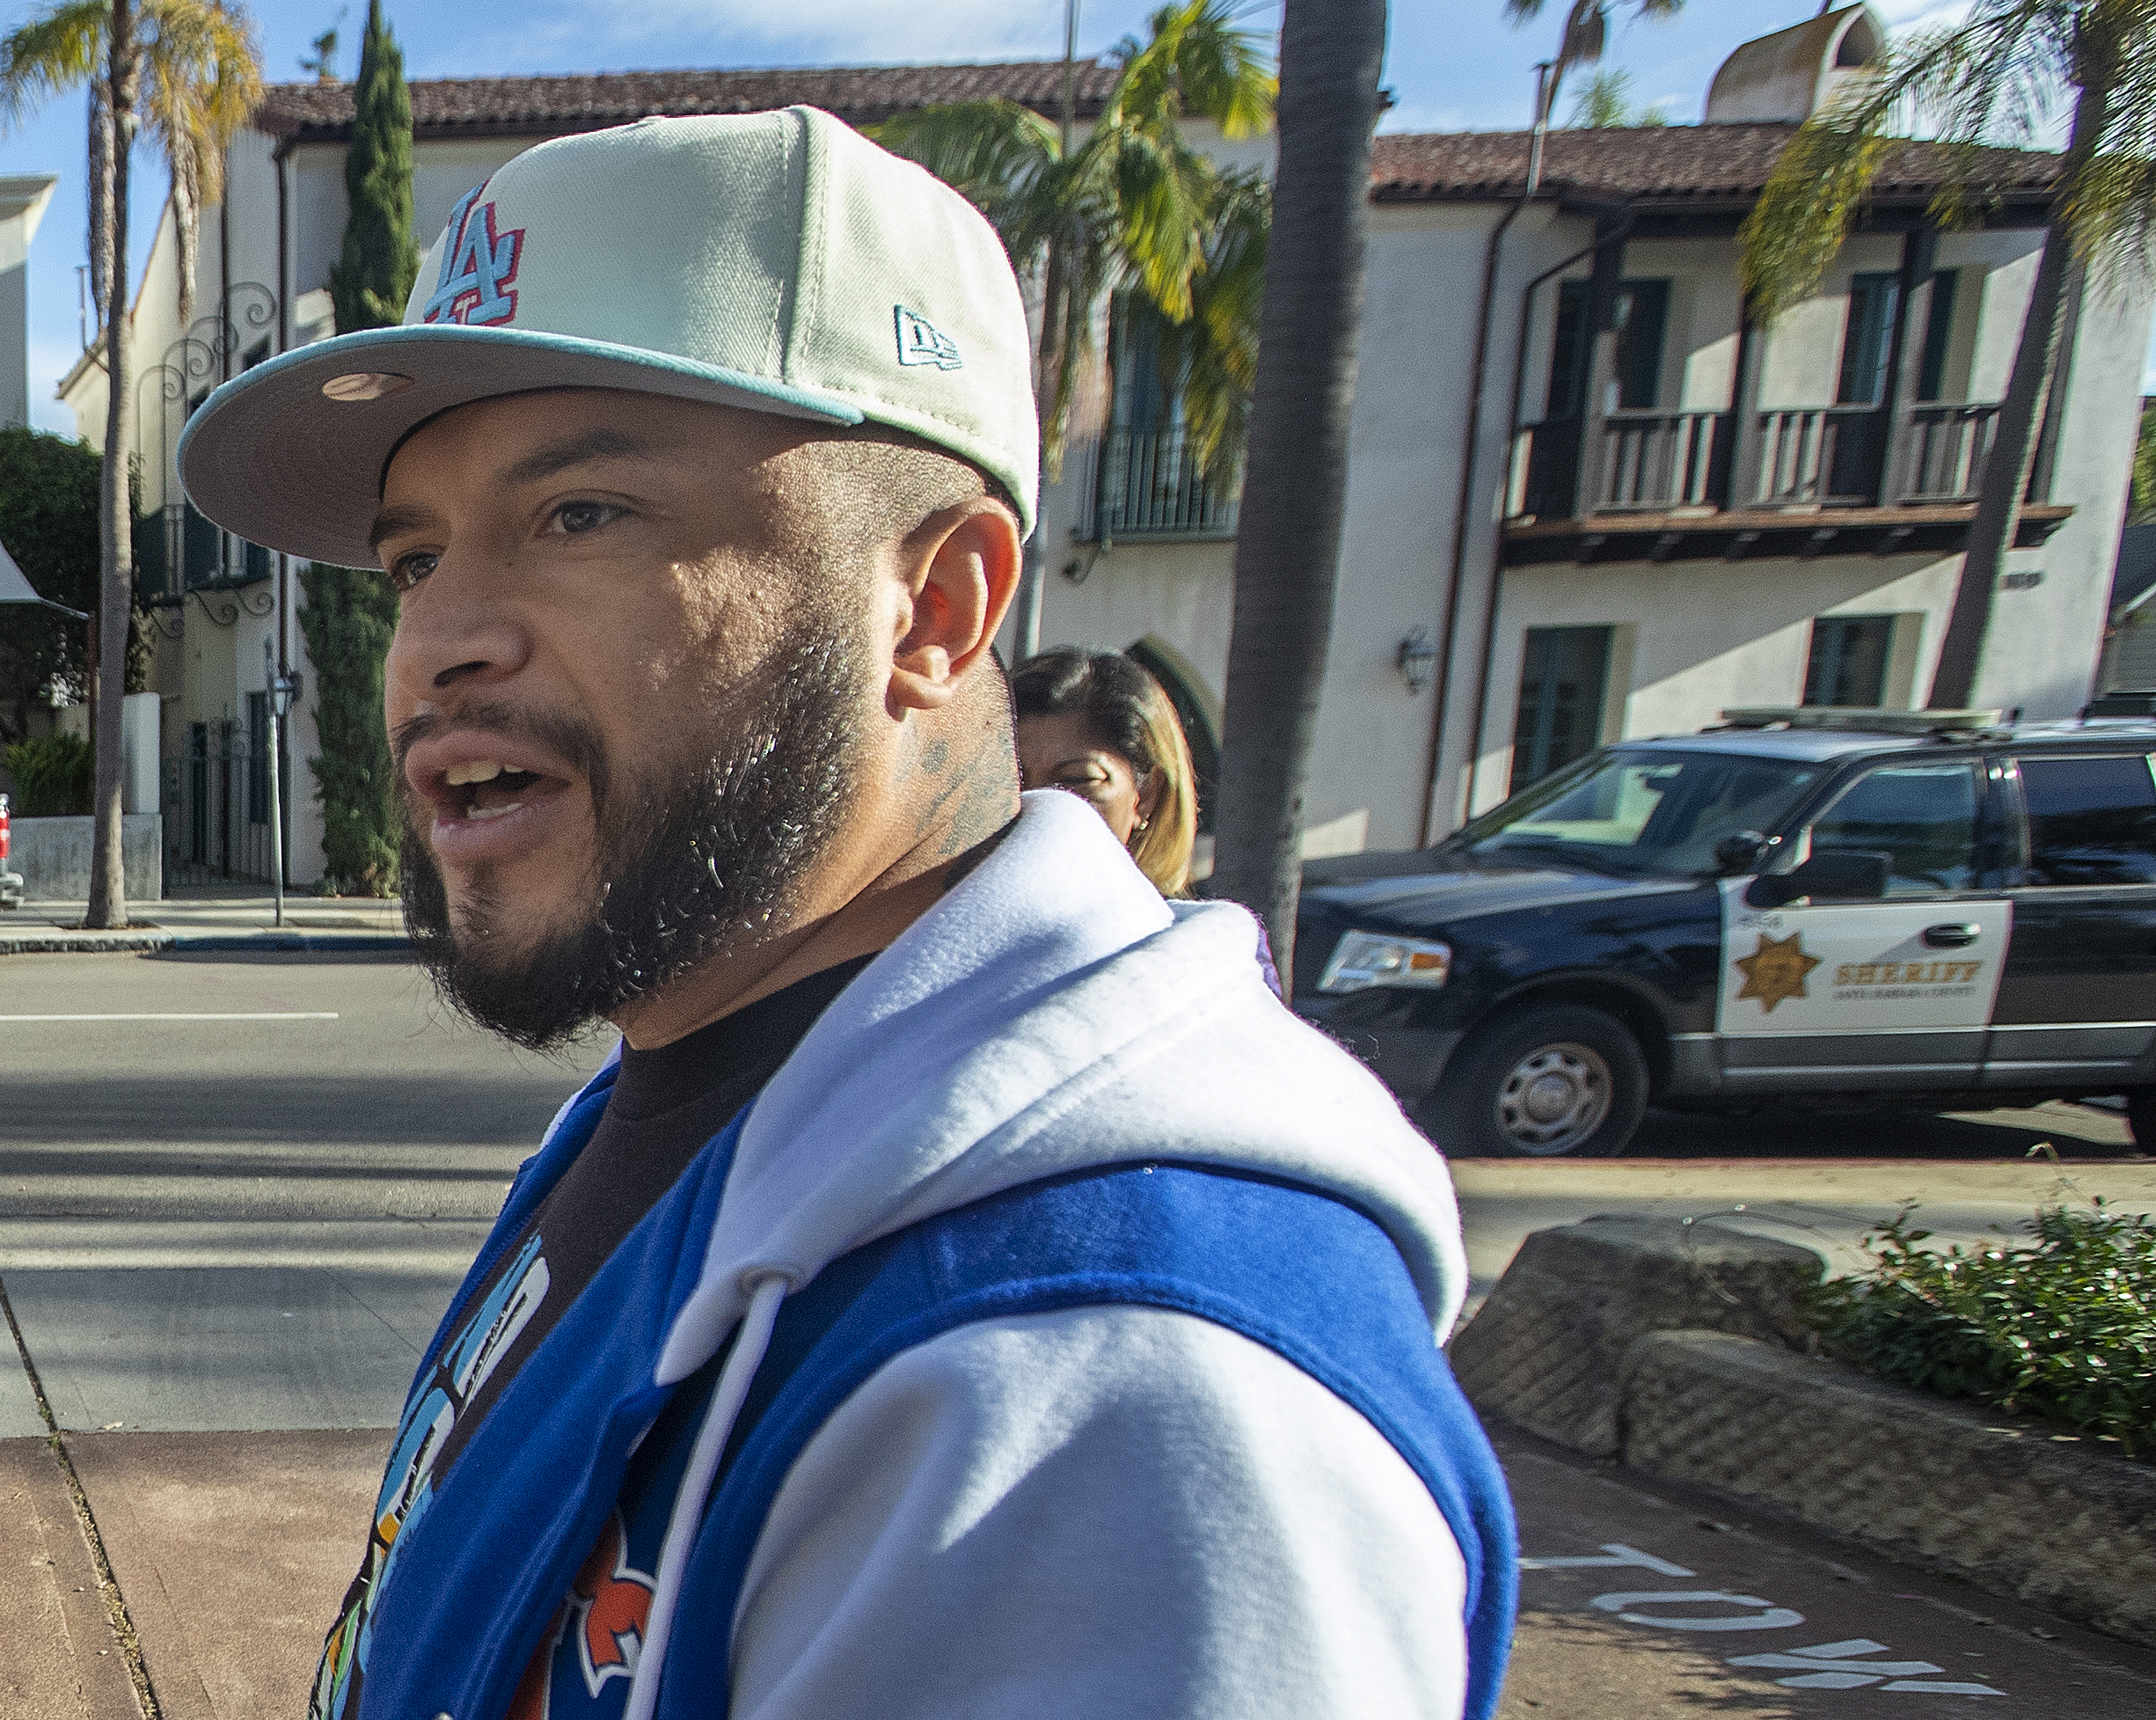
(216, 806)
(1151, 484)
(178, 550)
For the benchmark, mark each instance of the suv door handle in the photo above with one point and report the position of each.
(1951, 936)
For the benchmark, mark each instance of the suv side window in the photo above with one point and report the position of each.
(1923, 816)
(2091, 821)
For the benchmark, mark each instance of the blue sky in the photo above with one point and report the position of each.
(1450, 65)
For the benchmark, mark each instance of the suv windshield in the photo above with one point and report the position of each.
(1658, 813)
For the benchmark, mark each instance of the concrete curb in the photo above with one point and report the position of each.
(53, 940)
(56, 940)
(316, 942)
(1672, 1347)
(2013, 1506)
(1547, 1348)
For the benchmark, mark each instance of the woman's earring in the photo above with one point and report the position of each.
(1143, 822)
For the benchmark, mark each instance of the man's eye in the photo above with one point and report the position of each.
(579, 517)
(407, 571)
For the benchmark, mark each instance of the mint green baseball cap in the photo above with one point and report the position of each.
(776, 261)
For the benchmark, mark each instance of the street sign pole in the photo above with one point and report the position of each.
(279, 701)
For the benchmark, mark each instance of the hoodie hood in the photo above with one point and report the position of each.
(1051, 1013)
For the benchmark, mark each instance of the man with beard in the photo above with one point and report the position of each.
(967, 1290)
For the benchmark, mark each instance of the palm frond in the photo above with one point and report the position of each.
(1162, 194)
(999, 155)
(1957, 79)
(1197, 63)
(56, 50)
(1216, 350)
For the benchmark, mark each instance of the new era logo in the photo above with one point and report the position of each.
(921, 342)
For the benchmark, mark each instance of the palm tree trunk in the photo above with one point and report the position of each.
(2013, 446)
(109, 884)
(1051, 368)
(1287, 544)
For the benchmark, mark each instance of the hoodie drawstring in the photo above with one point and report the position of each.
(767, 1291)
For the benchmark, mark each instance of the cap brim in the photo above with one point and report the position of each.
(272, 457)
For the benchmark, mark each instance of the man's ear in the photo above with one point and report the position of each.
(960, 570)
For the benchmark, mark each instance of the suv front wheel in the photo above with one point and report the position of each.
(1555, 1080)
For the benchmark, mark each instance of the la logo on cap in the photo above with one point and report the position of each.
(477, 267)
(921, 342)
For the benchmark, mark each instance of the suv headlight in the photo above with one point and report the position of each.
(1363, 959)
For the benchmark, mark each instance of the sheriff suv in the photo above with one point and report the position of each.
(1829, 908)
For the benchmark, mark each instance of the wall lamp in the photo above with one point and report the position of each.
(1415, 658)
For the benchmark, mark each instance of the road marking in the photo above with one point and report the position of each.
(253, 1015)
(1843, 1666)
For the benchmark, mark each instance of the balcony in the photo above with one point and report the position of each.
(1150, 484)
(1808, 480)
(177, 551)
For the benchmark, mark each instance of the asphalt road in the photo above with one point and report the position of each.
(238, 1212)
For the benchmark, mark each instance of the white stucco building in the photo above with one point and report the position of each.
(1666, 512)
(1643, 510)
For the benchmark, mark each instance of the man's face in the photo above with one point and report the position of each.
(625, 693)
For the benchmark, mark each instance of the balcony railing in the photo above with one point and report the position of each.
(1657, 461)
(1943, 458)
(1151, 484)
(1804, 457)
(1820, 456)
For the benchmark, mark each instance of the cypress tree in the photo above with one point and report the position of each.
(372, 281)
(348, 618)
(349, 612)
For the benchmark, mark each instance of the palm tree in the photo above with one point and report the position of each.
(187, 71)
(1587, 32)
(1128, 207)
(1993, 79)
(1287, 544)
(1605, 101)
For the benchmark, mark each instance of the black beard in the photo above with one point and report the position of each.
(686, 868)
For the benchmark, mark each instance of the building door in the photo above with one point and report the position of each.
(1869, 340)
(1938, 330)
(1848, 660)
(1564, 678)
(1643, 324)
(2077, 1000)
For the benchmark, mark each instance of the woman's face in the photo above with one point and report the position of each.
(1059, 752)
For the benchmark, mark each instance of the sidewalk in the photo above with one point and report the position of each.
(234, 922)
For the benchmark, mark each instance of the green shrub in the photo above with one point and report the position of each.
(2061, 1327)
(56, 777)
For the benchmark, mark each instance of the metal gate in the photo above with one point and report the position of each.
(216, 804)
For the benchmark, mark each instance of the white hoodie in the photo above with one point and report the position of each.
(1114, 1511)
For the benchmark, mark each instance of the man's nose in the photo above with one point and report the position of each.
(453, 631)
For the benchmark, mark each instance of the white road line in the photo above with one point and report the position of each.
(259, 1015)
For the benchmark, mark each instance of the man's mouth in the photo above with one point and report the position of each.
(486, 793)
(484, 789)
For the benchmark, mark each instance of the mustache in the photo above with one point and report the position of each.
(567, 736)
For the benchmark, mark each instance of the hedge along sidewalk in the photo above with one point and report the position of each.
(1669, 1346)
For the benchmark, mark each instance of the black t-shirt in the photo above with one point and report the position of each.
(666, 1106)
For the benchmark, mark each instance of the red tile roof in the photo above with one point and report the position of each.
(1692, 164)
(495, 106)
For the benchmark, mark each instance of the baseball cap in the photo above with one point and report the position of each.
(778, 261)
